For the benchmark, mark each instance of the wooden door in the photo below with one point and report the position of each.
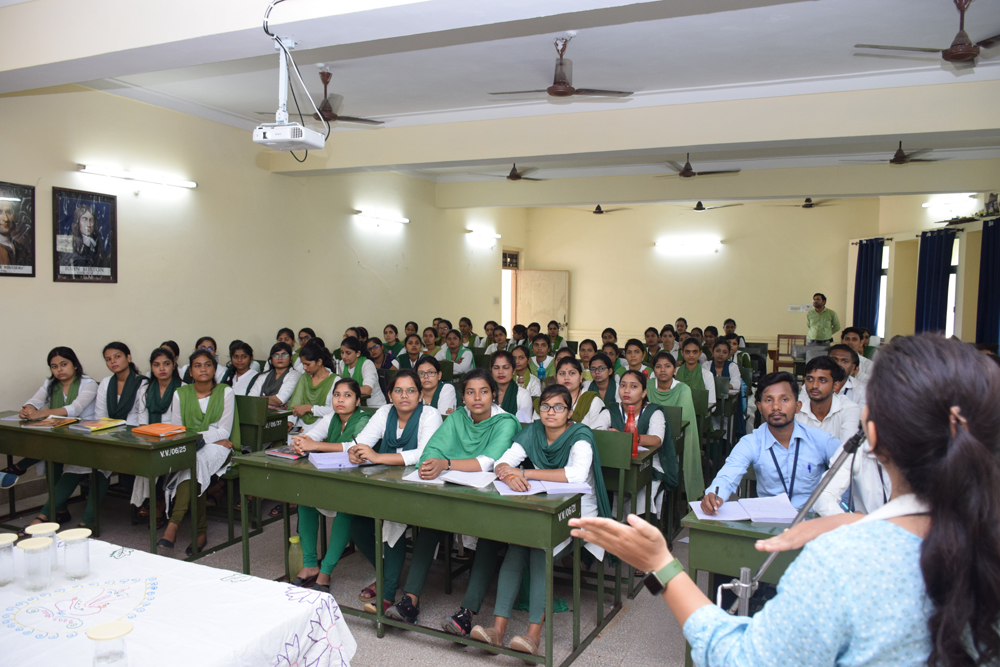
(543, 296)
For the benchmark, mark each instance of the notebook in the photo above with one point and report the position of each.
(158, 430)
(476, 480)
(551, 488)
(774, 509)
(331, 460)
(93, 425)
(50, 423)
(285, 452)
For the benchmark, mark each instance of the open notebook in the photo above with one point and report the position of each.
(477, 480)
(775, 509)
(551, 488)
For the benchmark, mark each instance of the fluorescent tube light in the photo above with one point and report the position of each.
(132, 176)
(380, 217)
(485, 235)
(689, 245)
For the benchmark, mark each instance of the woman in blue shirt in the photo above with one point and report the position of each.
(917, 582)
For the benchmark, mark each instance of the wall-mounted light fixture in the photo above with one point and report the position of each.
(483, 235)
(377, 216)
(951, 199)
(135, 176)
(689, 245)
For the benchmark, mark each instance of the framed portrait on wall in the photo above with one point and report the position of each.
(17, 230)
(85, 237)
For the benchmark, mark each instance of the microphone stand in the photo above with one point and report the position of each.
(745, 586)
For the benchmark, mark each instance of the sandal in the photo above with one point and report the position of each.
(322, 588)
(305, 583)
(166, 544)
(276, 510)
(485, 635)
(201, 549)
(524, 644)
(63, 517)
(367, 593)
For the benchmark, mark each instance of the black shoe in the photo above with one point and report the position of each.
(403, 611)
(458, 624)
(164, 543)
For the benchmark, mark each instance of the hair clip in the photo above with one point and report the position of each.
(956, 418)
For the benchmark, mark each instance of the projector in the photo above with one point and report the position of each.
(288, 137)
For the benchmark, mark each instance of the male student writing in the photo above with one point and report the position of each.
(787, 457)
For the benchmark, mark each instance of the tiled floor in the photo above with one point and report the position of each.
(643, 634)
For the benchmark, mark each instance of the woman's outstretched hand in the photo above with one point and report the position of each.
(640, 544)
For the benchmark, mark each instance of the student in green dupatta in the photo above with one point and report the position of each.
(204, 343)
(587, 349)
(278, 382)
(328, 435)
(605, 382)
(668, 341)
(400, 430)
(665, 389)
(67, 393)
(392, 342)
(457, 353)
(540, 346)
(609, 335)
(652, 337)
(305, 335)
(487, 338)
(558, 342)
(498, 340)
(468, 336)
(411, 352)
(240, 375)
(411, 328)
(588, 409)
(522, 371)
(311, 400)
(692, 373)
(618, 365)
(355, 365)
(512, 398)
(470, 440)
(654, 432)
(560, 451)
(209, 409)
(155, 401)
(434, 393)
(564, 353)
(634, 355)
(431, 347)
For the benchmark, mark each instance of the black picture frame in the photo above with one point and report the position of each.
(17, 230)
(79, 257)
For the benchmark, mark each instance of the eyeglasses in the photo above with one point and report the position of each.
(304, 337)
(598, 369)
(279, 355)
(426, 374)
(207, 347)
(409, 391)
(558, 409)
(372, 348)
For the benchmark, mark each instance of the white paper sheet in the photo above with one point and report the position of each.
(331, 460)
(728, 512)
(564, 488)
(415, 477)
(774, 509)
(504, 490)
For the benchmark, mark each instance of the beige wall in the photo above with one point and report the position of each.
(245, 253)
(902, 288)
(771, 257)
(973, 242)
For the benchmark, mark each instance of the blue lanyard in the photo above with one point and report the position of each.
(795, 465)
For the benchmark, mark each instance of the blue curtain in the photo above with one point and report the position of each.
(988, 312)
(932, 280)
(867, 279)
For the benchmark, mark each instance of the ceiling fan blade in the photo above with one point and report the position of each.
(822, 202)
(366, 121)
(520, 92)
(527, 170)
(897, 48)
(989, 42)
(919, 151)
(526, 178)
(712, 173)
(929, 160)
(594, 92)
(612, 210)
(675, 166)
(864, 161)
(709, 208)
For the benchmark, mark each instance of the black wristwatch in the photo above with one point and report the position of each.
(656, 581)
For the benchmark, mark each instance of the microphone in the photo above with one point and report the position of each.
(744, 590)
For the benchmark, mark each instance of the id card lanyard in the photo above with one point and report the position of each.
(789, 488)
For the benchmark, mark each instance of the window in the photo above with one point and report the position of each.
(511, 259)
(883, 283)
(949, 325)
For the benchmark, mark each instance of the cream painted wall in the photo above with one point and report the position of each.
(771, 257)
(973, 246)
(902, 288)
(245, 253)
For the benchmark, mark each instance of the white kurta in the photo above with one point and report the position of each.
(369, 378)
(241, 383)
(317, 410)
(83, 408)
(465, 361)
(212, 458)
(140, 488)
(534, 386)
(288, 382)
(448, 400)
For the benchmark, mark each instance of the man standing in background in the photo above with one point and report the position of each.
(822, 321)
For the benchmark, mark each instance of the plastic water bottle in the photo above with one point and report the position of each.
(541, 372)
(294, 555)
(633, 428)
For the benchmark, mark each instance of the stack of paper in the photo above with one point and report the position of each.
(775, 509)
(477, 480)
(536, 487)
(331, 460)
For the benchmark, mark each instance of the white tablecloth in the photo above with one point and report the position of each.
(184, 615)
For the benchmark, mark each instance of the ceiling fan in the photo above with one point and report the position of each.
(701, 207)
(562, 81)
(808, 203)
(601, 211)
(516, 175)
(961, 50)
(902, 157)
(326, 108)
(687, 171)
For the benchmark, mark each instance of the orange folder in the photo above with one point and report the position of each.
(158, 430)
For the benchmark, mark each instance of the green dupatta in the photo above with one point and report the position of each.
(666, 453)
(460, 438)
(694, 379)
(461, 349)
(406, 364)
(118, 408)
(396, 347)
(157, 405)
(355, 423)
(437, 394)
(533, 366)
(680, 396)
(509, 402)
(59, 400)
(557, 343)
(555, 456)
(307, 394)
(195, 420)
(357, 374)
(408, 440)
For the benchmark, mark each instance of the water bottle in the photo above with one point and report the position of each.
(631, 427)
(294, 555)
(541, 372)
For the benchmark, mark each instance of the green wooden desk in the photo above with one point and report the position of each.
(115, 449)
(638, 476)
(723, 547)
(378, 492)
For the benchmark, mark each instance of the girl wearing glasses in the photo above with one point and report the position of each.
(403, 427)
(561, 451)
(279, 382)
(328, 435)
(208, 344)
(605, 383)
(433, 392)
(354, 365)
(588, 409)
(455, 352)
